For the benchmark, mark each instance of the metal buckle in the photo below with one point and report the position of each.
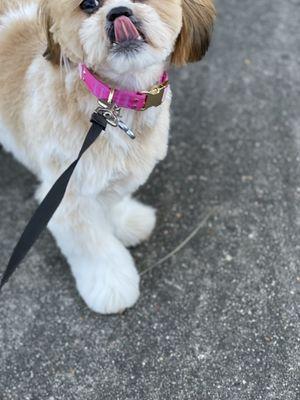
(155, 96)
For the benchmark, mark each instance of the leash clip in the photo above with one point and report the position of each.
(112, 113)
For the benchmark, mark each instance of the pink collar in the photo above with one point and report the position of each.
(138, 101)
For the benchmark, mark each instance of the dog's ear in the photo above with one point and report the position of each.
(53, 49)
(193, 41)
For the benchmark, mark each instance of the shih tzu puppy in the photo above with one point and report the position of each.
(57, 58)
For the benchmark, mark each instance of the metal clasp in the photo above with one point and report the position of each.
(155, 95)
(112, 113)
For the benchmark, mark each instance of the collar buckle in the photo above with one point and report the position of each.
(155, 96)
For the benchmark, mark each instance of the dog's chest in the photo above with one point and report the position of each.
(118, 163)
(113, 163)
(56, 125)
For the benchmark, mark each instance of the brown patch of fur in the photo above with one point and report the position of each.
(193, 41)
(53, 50)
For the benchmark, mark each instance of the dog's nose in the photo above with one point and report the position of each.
(118, 12)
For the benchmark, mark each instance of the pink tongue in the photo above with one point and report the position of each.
(125, 29)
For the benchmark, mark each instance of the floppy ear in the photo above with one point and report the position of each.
(53, 50)
(197, 25)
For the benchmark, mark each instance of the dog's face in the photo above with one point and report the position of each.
(127, 35)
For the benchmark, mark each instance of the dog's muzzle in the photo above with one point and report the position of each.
(123, 28)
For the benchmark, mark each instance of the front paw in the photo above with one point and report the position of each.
(133, 221)
(110, 284)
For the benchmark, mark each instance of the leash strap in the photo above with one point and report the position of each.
(51, 202)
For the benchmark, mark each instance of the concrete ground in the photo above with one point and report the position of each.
(219, 319)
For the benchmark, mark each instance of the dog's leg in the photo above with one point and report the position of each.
(133, 222)
(103, 268)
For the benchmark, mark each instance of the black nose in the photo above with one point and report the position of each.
(118, 12)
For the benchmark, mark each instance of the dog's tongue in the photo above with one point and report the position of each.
(125, 29)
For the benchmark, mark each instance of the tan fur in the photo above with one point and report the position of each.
(194, 39)
(168, 11)
(19, 45)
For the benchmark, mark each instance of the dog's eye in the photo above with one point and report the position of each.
(90, 6)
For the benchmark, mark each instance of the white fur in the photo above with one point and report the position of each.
(133, 222)
(103, 269)
(22, 12)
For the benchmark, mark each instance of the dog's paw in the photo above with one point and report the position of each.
(133, 221)
(110, 284)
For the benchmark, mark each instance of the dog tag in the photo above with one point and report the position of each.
(124, 127)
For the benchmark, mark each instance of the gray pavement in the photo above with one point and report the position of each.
(220, 319)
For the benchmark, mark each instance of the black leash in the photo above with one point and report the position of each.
(51, 202)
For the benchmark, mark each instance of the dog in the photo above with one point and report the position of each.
(45, 109)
